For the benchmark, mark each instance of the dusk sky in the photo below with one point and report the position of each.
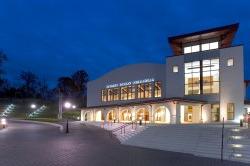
(54, 38)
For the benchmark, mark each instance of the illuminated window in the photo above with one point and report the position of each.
(210, 77)
(148, 90)
(196, 48)
(175, 69)
(140, 91)
(205, 47)
(215, 112)
(230, 62)
(110, 94)
(131, 92)
(124, 93)
(157, 89)
(230, 111)
(104, 95)
(187, 50)
(192, 78)
(116, 94)
(210, 73)
(214, 45)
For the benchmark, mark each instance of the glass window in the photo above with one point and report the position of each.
(157, 89)
(140, 91)
(116, 94)
(196, 48)
(192, 78)
(215, 112)
(148, 90)
(230, 111)
(104, 95)
(210, 73)
(214, 45)
(175, 69)
(230, 62)
(131, 92)
(124, 93)
(205, 47)
(187, 50)
(110, 94)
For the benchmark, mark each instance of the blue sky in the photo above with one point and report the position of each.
(54, 38)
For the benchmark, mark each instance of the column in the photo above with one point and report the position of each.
(178, 113)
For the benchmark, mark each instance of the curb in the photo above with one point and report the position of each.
(46, 123)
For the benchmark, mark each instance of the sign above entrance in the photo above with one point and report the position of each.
(130, 83)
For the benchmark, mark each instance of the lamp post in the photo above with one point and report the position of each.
(68, 105)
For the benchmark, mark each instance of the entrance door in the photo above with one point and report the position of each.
(215, 110)
(188, 114)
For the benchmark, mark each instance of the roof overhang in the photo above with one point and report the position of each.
(225, 33)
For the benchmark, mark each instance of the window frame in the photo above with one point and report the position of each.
(229, 111)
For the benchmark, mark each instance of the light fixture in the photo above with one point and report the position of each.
(33, 106)
(67, 104)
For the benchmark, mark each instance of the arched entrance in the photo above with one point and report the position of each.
(126, 115)
(142, 114)
(111, 115)
(162, 115)
(87, 116)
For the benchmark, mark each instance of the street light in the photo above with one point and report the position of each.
(67, 104)
(73, 106)
(33, 106)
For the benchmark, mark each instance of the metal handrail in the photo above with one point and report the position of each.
(123, 126)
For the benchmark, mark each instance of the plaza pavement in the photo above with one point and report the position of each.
(31, 144)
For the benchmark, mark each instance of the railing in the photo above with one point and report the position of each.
(122, 128)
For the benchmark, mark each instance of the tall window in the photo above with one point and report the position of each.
(110, 94)
(192, 78)
(210, 73)
(215, 112)
(116, 94)
(157, 89)
(202, 77)
(104, 94)
(124, 93)
(131, 92)
(230, 111)
(140, 91)
(148, 90)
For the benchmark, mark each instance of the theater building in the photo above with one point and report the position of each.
(202, 82)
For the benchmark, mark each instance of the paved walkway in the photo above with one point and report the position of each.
(28, 144)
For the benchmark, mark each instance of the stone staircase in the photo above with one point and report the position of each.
(200, 140)
(122, 131)
(129, 132)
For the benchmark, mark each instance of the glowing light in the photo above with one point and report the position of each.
(236, 130)
(237, 155)
(33, 106)
(236, 137)
(67, 105)
(3, 121)
(73, 106)
(237, 145)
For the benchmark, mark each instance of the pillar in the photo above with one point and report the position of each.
(178, 113)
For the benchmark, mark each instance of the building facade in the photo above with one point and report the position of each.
(203, 82)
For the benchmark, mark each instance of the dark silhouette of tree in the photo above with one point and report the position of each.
(80, 79)
(3, 58)
(43, 89)
(66, 86)
(74, 87)
(30, 80)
